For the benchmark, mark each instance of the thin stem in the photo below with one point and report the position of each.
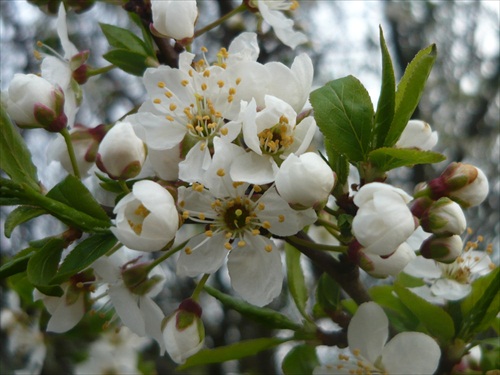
(216, 23)
(71, 152)
(165, 256)
(97, 71)
(123, 185)
(330, 211)
(196, 293)
(316, 246)
(328, 224)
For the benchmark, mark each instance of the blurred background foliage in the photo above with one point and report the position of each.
(461, 102)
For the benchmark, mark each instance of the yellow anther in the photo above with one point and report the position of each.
(184, 82)
(268, 248)
(266, 224)
(209, 233)
(257, 188)
(190, 72)
(182, 203)
(37, 55)
(220, 84)
(221, 172)
(79, 285)
(198, 187)
(204, 86)
(356, 352)
(188, 250)
(236, 184)
(241, 243)
(172, 107)
(228, 246)
(238, 81)
(185, 215)
(204, 49)
(206, 73)
(232, 91)
(281, 218)
(142, 211)
(157, 101)
(261, 206)
(469, 231)
(201, 216)
(238, 212)
(294, 5)
(255, 232)
(480, 238)
(168, 94)
(203, 145)
(161, 85)
(224, 131)
(169, 118)
(230, 98)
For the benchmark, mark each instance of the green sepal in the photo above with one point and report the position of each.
(15, 158)
(83, 255)
(301, 360)
(409, 90)
(296, 281)
(434, 319)
(262, 315)
(21, 215)
(344, 113)
(387, 99)
(387, 158)
(238, 350)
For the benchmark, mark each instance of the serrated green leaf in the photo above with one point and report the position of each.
(435, 320)
(83, 255)
(387, 99)
(482, 305)
(73, 193)
(42, 266)
(328, 293)
(129, 61)
(265, 316)
(409, 91)
(17, 263)
(239, 350)
(344, 113)
(123, 39)
(19, 216)
(387, 158)
(15, 158)
(296, 281)
(301, 360)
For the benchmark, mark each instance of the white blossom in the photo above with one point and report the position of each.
(173, 18)
(417, 134)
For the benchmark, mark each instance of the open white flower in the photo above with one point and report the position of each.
(237, 225)
(407, 353)
(146, 219)
(271, 134)
(383, 221)
(134, 305)
(272, 12)
(449, 281)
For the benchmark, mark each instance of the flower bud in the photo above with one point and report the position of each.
(121, 153)
(136, 279)
(33, 102)
(442, 249)
(417, 134)
(85, 144)
(173, 18)
(392, 265)
(305, 181)
(444, 217)
(147, 218)
(183, 331)
(463, 183)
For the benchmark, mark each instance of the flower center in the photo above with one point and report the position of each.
(136, 218)
(277, 139)
(237, 215)
(204, 120)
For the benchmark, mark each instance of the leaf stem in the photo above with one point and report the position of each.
(71, 151)
(216, 23)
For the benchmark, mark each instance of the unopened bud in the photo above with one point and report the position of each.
(444, 217)
(442, 249)
(121, 153)
(417, 134)
(174, 19)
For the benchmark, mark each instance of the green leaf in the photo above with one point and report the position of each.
(328, 294)
(387, 99)
(344, 113)
(83, 255)
(340, 165)
(388, 158)
(123, 39)
(239, 350)
(146, 35)
(296, 281)
(17, 263)
(73, 193)
(409, 281)
(399, 315)
(129, 61)
(482, 305)
(15, 158)
(42, 266)
(19, 216)
(262, 315)
(301, 360)
(409, 91)
(436, 321)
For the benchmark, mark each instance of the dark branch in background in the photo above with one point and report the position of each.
(345, 273)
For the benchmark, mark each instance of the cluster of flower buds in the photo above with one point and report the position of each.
(439, 207)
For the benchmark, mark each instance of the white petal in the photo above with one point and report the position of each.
(425, 268)
(126, 308)
(194, 167)
(256, 273)
(153, 317)
(254, 169)
(450, 289)
(368, 331)
(411, 353)
(157, 132)
(208, 254)
(66, 316)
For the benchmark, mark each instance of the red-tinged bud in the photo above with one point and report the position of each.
(442, 249)
(444, 218)
(420, 206)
